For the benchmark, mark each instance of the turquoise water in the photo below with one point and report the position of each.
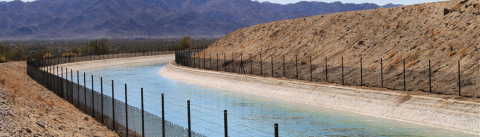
(248, 115)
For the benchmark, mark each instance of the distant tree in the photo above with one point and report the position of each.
(99, 46)
(185, 43)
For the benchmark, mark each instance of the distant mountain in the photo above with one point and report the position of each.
(389, 5)
(72, 19)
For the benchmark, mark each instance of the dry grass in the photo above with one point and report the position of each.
(396, 60)
(2, 81)
(462, 52)
(420, 9)
(387, 25)
(431, 52)
(48, 55)
(391, 55)
(411, 64)
(451, 53)
(3, 59)
(403, 98)
(71, 54)
(373, 68)
(450, 44)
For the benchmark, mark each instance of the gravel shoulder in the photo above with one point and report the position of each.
(443, 113)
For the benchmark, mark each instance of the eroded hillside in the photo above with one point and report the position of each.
(443, 32)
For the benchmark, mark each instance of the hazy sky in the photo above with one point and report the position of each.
(379, 2)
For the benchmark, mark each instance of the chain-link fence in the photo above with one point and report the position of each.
(395, 75)
(113, 112)
(122, 109)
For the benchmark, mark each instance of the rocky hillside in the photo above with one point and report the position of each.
(28, 109)
(70, 19)
(443, 32)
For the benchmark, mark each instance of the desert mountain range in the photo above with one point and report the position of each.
(72, 19)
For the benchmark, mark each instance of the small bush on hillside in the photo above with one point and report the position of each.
(391, 55)
(48, 55)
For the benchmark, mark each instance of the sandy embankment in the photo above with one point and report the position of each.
(29, 109)
(448, 114)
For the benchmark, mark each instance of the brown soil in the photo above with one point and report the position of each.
(417, 33)
(28, 109)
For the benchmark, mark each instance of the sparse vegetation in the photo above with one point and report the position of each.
(391, 55)
(462, 52)
(411, 64)
(10, 52)
(396, 60)
(451, 53)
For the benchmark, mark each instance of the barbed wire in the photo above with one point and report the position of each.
(176, 111)
(208, 129)
(249, 127)
(238, 116)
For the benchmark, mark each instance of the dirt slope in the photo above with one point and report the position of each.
(443, 32)
(28, 109)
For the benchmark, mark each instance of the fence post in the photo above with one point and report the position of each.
(78, 90)
(225, 122)
(233, 62)
(211, 61)
(311, 75)
(242, 69)
(217, 63)
(224, 60)
(58, 82)
(284, 65)
(361, 71)
(189, 120)
(101, 96)
(296, 67)
(84, 93)
(326, 69)
(61, 91)
(429, 76)
(113, 106)
(251, 64)
(381, 71)
(163, 116)
(343, 80)
(65, 95)
(276, 130)
(93, 100)
(194, 59)
(459, 91)
(71, 79)
(204, 66)
(271, 57)
(261, 65)
(126, 110)
(143, 116)
(404, 80)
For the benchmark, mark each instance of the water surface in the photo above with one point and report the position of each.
(248, 115)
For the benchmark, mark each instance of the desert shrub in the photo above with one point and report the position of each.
(11, 53)
(185, 43)
(95, 47)
(451, 53)
(411, 64)
(70, 54)
(48, 55)
(396, 60)
(373, 68)
(462, 52)
(391, 55)
(40, 53)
